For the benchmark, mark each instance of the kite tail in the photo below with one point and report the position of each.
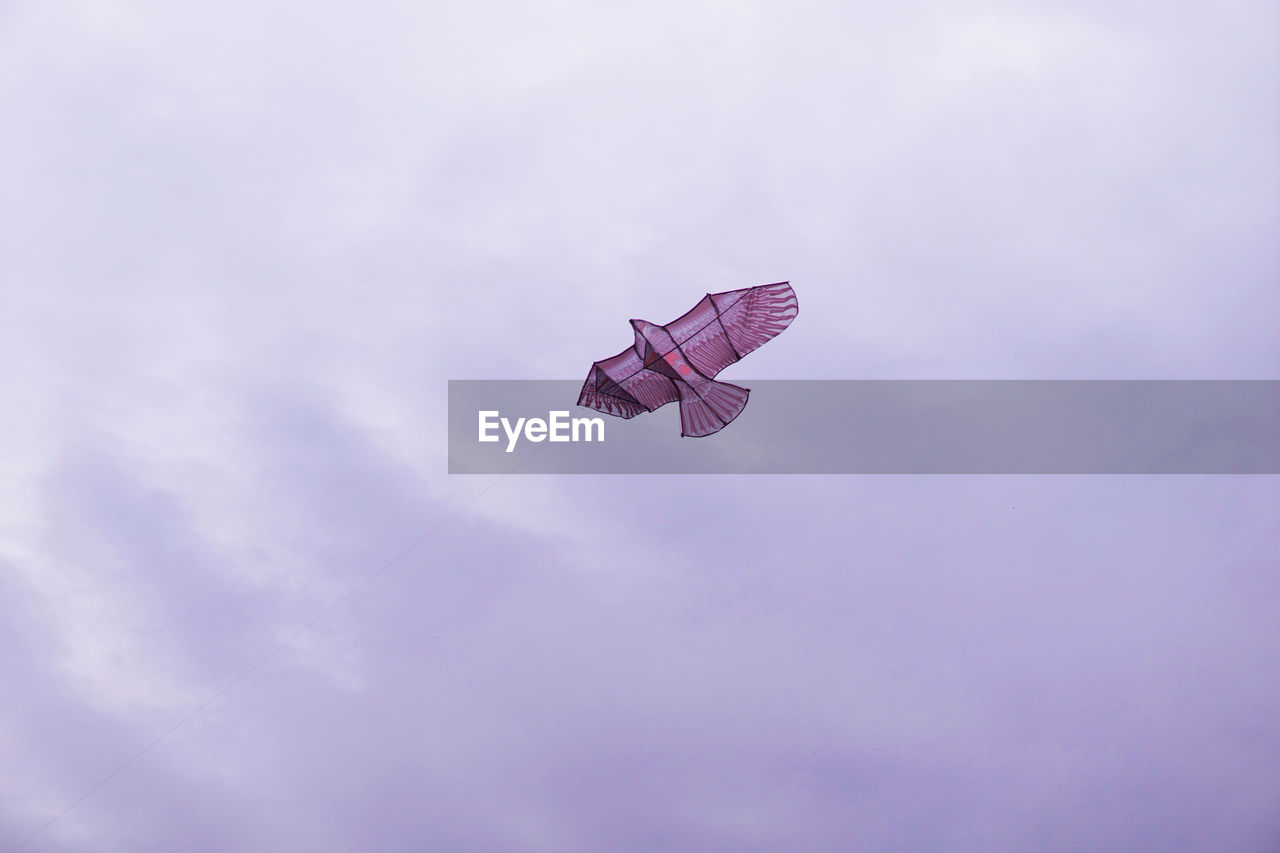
(708, 406)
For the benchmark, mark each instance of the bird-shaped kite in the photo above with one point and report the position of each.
(679, 361)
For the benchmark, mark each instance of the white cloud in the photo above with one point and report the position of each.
(243, 248)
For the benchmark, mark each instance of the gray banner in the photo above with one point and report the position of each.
(883, 427)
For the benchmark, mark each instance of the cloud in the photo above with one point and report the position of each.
(244, 248)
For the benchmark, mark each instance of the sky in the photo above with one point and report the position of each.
(243, 247)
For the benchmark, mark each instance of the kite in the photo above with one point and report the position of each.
(679, 361)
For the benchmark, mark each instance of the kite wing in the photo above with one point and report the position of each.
(623, 386)
(723, 327)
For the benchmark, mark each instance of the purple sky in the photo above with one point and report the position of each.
(244, 245)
